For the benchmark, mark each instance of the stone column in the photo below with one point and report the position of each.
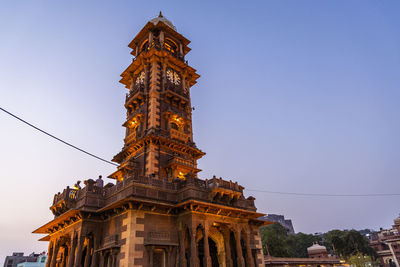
(65, 255)
(151, 251)
(50, 254)
(239, 253)
(71, 257)
(182, 259)
(78, 255)
(95, 256)
(227, 240)
(89, 248)
(101, 259)
(109, 260)
(207, 259)
(55, 252)
(249, 256)
(193, 249)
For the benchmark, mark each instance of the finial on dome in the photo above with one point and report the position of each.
(160, 15)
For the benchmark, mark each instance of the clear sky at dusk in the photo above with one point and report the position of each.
(294, 96)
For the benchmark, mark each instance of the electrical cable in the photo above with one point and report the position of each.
(58, 139)
(324, 195)
(252, 190)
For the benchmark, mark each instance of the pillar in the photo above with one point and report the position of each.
(182, 259)
(240, 259)
(78, 255)
(55, 252)
(101, 259)
(71, 257)
(88, 256)
(65, 255)
(50, 254)
(109, 260)
(207, 259)
(193, 249)
(227, 240)
(249, 258)
(95, 255)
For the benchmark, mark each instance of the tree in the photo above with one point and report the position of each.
(274, 239)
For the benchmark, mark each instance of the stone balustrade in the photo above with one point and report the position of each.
(91, 197)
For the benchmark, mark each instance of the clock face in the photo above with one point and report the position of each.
(173, 77)
(140, 78)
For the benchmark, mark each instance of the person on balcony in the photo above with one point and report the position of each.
(77, 185)
(99, 182)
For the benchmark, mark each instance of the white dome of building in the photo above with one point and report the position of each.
(316, 247)
(164, 20)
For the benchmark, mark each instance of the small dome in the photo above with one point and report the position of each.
(315, 247)
(397, 221)
(164, 20)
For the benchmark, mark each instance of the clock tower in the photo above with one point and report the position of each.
(159, 138)
(158, 213)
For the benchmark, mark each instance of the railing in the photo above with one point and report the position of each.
(182, 162)
(158, 47)
(131, 137)
(67, 194)
(136, 89)
(218, 182)
(176, 134)
(177, 190)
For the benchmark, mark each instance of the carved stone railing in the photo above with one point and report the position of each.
(179, 135)
(68, 194)
(131, 137)
(218, 182)
(92, 198)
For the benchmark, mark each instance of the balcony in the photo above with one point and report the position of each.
(94, 199)
(179, 135)
(130, 138)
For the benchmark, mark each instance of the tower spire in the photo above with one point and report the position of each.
(159, 138)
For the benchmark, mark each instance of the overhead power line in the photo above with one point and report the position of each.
(252, 190)
(324, 195)
(58, 139)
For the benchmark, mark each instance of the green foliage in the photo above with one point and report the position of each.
(278, 243)
(345, 244)
(360, 260)
(349, 243)
(274, 240)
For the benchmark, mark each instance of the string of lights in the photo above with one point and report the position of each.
(251, 190)
(58, 139)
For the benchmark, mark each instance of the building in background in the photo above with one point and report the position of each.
(281, 220)
(317, 257)
(317, 251)
(17, 259)
(386, 242)
(159, 213)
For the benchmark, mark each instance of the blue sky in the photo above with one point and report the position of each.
(296, 96)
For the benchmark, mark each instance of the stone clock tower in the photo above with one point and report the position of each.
(158, 212)
(159, 137)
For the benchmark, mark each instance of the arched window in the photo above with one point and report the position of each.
(174, 126)
(170, 46)
(144, 46)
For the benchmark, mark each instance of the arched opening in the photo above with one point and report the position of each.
(187, 247)
(144, 46)
(174, 126)
(84, 255)
(244, 249)
(213, 253)
(170, 46)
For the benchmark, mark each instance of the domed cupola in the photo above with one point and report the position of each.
(397, 221)
(161, 18)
